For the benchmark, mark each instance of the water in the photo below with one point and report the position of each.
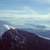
(28, 24)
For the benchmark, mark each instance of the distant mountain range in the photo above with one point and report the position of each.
(39, 29)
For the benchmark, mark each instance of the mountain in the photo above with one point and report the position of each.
(2, 28)
(18, 39)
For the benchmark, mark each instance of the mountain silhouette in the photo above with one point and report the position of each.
(18, 39)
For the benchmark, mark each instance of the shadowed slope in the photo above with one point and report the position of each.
(23, 40)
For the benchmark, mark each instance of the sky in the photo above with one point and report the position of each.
(28, 13)
(36, 9)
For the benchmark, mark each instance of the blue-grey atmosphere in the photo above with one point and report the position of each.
(31, 15)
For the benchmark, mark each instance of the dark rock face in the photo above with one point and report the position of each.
(22, 40)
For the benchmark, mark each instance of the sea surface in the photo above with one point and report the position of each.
(38, 27)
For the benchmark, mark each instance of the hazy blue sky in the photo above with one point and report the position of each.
(37, 5)
(25, 8)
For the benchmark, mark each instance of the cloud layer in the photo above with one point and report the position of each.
(43, 1)
(25, 13)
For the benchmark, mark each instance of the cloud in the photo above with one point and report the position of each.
(25, 16)
(43, 1)
(26, 13)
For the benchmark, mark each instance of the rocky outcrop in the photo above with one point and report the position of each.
(23, 40)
